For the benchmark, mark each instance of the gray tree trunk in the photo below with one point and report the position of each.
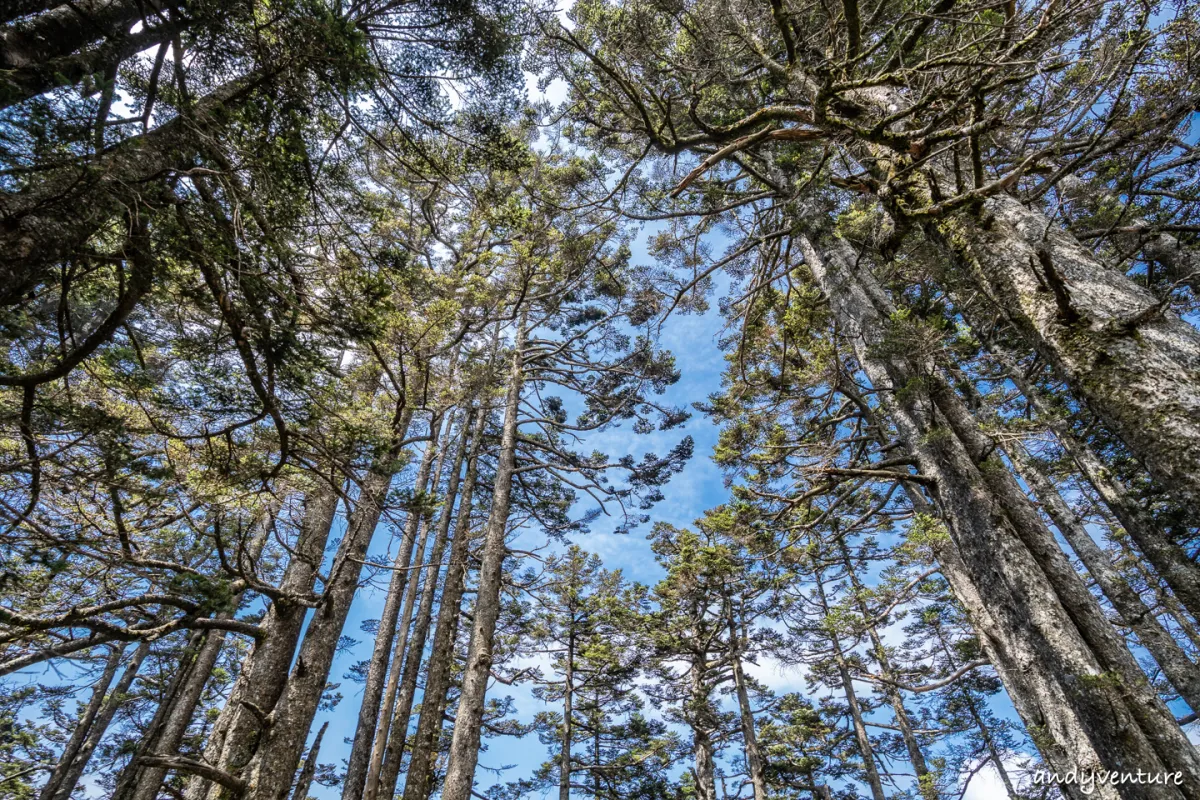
(84, 726)
(165, 737)
(277, 757)
(564, 754)
(1082, 709)
(1168, 558)
(865, 750)
(1175, 664)
(100, 724)
(702, 745)
(64, 29)
(388, 769)
(916, 756)
(261, 682)
(146, 780)
(464, 746)
(377, 670)
(304, 782)
(133, 769)
(418, 784)
(25, 82)
(50, 220)
(42, 53)
(1135, 365)
(754, 761)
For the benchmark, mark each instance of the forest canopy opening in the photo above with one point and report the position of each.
(664, 399)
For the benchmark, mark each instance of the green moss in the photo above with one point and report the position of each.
(937, 435)
(1103, 681)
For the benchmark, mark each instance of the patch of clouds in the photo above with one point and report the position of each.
(985, 783)
(777, 676)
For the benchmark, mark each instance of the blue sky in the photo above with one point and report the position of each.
(693, 340)
(700, 486)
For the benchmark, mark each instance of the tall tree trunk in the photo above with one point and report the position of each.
(916, 756)
(1156, 722)
(985, 732)
(754, 762)
(304, 782)
(955, 572)
(403, 647)
(259, 685)
(597, 727)
(166, 735)
(1136, 365)
(1168, 558)
(865, 749)
(84, 726)
(418, 784)
(128, 778)
(278, 755)
(165, 738)
(564, 754)
(385, 764)
(100, 724)
(1085, 709)
(377, 671)
(464, 746)
(701, 724)
(1175, 664)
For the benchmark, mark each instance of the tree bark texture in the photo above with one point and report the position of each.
(166, 735)
(49, 221)
(1135, 364)
(1169, 560)
(1175, 664)
(1079, 705)
(701, 723)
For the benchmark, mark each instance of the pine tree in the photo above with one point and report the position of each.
(586, 622)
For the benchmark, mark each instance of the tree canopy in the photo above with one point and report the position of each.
(324, 313)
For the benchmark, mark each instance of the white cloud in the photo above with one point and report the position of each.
(777, 676)
(986, 784)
